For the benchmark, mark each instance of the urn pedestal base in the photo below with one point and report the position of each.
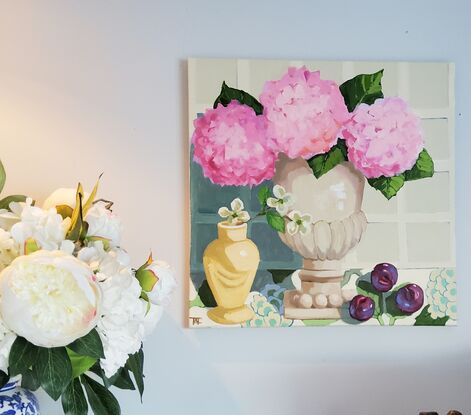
(236, 315)
(321, 295)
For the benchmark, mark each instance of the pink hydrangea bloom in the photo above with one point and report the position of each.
(304, 112)
(383, 139)
(231, 146)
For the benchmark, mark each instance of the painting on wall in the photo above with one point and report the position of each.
(322, 193)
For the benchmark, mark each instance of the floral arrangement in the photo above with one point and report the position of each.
(73, 311)
(238, 141)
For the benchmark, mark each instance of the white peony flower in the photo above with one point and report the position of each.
(121, 326)
(282, 200)
(7, 337)
(107, 262)
(103, 223)
(9, 217)
(158, 281)
(46, 227)
(63, 196)
(50, 298)
(299, 223)
(8, 249)
(235, 216)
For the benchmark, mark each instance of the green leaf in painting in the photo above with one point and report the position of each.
(388, 186)
(23, 355)
(276, 221)
(73, 399)
(135, 364)
(5, 202)
(53, 370)
(3, 176)
(322, 163)
(101, 399)
(422, 168)
(4, 378)
(263, 195)
(80, 364)
(29, 380)
(364, 88)
(228, 94)
(426, 319)
(206, 295)
(279, 275)
(89, 345)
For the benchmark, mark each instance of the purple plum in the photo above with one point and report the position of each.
(410, 298)
(383, 277)
(361, 308)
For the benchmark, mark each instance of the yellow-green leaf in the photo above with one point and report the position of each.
(31, 246)
(80, 364)
(147, 279)
(89, 203)
(65, 211)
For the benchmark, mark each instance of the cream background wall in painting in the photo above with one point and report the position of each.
(92, 86)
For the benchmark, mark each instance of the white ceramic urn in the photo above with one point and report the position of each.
(334, 202)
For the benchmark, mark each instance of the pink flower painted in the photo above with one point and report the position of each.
(383, 139)
(304, 112)
(232, 147)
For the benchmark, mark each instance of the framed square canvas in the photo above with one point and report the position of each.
(322, 193)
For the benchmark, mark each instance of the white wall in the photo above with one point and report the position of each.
(92, 86)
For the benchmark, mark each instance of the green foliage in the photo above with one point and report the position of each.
(263, 195)
(228, 94)
(23, 355)
(279, 275)
(135, 364)
(73, 399)
(29, 380)
(388, 186)
(364, 88)
(276, 221)
(88, 345)
(422, 168)
(206, 295)
(426, 319)
(322, 163)
(100, 398)
(53, 370)
(3, 176)
(4, 378)
(80, 364)
(5, 202)
(122, 380)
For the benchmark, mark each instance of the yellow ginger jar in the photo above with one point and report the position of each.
(230, 263)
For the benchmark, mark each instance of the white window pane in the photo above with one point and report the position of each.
(430, 195)
(428, 85)
(436, 138)
(429, 242)
(380, 243)
(208, 77)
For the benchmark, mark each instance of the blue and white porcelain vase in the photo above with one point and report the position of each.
(14, 400)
